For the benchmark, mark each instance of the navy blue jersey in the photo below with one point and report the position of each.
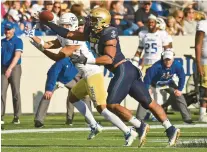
(159, 75)
(97, 42)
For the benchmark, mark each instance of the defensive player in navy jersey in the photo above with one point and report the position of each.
(104, 41)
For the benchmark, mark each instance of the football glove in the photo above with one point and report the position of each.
(37, 45)
(78, 59)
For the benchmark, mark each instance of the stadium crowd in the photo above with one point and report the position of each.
(129, 17)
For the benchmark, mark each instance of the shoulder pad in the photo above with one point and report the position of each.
(109, 30)
(143, 33)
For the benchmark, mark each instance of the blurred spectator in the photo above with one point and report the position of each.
(3, 11)
(202, 6)
(179, 18)
(48, 5)
(77, 9)
(37, 7)
(102, 4)
(57, 10)
(130, 8)
(26, 6)
(16, 5)
(84, 3)
(124, 26)
(189, 22)
(65, 7)
(142, 14)
(171, 27)
(13, 17)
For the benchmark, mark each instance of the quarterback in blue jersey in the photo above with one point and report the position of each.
(104, 41)
(160, 75)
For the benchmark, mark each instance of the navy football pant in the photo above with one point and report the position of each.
(127, 80)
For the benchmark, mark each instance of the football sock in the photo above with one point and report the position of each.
(202, 111)
(108, 115)
(135, 122)
(84, 110)
(167, 124)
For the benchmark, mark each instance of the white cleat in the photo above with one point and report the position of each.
(2, 122)
(203, 118)
(173, 134)
(95, 131)
(130, 137)
(142, 131)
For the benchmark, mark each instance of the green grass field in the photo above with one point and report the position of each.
(192, 138)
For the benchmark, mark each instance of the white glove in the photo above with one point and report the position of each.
(60, 85)
(37, 45)
(29, 32)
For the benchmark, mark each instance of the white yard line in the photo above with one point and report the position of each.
(87, 129)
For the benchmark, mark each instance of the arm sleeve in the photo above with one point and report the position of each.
(150, 73)
(141, 42)
(19, 45)
(52, 76)
(181, 75)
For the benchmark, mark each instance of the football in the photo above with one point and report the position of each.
(46, 16)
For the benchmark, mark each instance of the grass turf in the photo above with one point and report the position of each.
(192, 139)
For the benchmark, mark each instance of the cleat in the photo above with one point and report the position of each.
(38, 124)
(189, 122)
(95, 131)
(130, 137)
(2, 121)
(69, 122)
(203, 118)
(173, 135)
(142, 131)
(16, 120)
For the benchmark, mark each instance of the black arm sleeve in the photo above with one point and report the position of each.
(57, 29)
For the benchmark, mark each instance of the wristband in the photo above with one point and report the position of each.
(42, 42)
(135, 58)
(91, 61)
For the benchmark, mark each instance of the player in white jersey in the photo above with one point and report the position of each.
(201, 61)
(92, 84)
(152, 42)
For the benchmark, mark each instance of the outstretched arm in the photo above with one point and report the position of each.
(66, 51)
(63, 32)
(54, 44)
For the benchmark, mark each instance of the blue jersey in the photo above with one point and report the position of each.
(97, 42)
(62, 71)
(159, 75)
(8, 49)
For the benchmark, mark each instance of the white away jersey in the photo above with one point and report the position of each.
(202, 26)
(88, 69)
(153, 45)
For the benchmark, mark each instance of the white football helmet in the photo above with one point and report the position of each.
(161, 23)
(70, 19)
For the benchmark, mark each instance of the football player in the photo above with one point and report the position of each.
(127, 78)
(151, 45)
(201, 61)
(91, 84)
